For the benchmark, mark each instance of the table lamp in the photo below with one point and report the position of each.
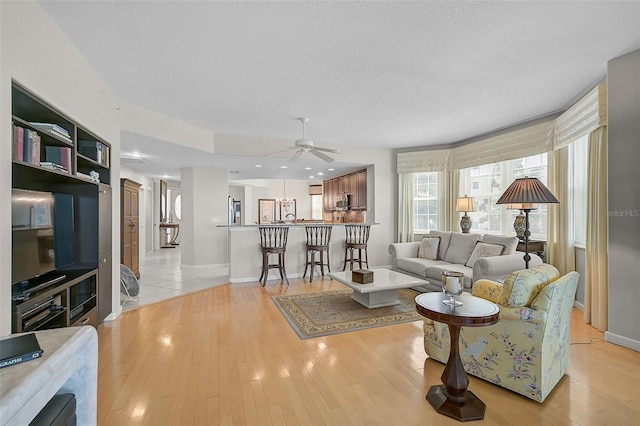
(465, 204)
(527, 191)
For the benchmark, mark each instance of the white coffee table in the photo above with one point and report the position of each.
(383, 291)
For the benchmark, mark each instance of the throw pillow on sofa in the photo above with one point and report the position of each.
(460, 247)
(445, 238)
(484, 250)
(429, 248)
(510, 243)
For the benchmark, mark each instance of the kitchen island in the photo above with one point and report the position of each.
(245, 258)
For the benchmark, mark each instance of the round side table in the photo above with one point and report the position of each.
(452, 397)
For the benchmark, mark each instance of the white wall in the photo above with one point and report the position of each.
(623, 91)
(37, 54)
(204, 206)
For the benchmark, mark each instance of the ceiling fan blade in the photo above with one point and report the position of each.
(295, 156)
(284, 150)
(322, 156)
(335, 151)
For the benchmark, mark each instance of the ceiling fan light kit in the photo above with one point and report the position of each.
(306, 145)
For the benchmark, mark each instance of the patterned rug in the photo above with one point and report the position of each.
(333, 312)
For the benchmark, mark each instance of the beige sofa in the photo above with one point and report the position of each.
(453, 254)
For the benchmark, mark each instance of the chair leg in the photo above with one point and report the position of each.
(345, 259)
(322, 262)
(283, 270)
(313, 265)
(306, 265)
(265, 268)
(366, 258)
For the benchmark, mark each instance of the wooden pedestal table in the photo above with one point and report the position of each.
(452, 397)
(175, 231)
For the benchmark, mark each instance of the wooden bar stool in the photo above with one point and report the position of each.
(356, 239)
(318, 237)
(273, 240)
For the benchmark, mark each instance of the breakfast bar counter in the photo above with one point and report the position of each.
(245, 258)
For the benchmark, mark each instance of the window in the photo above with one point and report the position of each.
(486, 184)
(425, 201)
(580, 155)
(316, 206)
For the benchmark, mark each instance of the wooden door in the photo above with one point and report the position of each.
(129, 225)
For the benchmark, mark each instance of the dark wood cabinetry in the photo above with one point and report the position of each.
(359, 195)
(129, 225)
(353, 184)
(46, 158)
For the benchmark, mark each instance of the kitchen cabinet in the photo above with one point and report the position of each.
(354, 184)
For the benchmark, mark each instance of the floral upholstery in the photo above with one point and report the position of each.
(527, 351)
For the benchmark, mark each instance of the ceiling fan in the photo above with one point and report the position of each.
(307, 145)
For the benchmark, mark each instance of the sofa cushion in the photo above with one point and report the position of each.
(416, 265)
(521, 287)
(510, 243)
(435, 271)
(484, 250)
(429, 248)
(460, 247)
(445, 238)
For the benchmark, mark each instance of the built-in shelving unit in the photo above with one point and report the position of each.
(53, 154)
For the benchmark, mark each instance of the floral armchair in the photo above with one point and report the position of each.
(527, 351)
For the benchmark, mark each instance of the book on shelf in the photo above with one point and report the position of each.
(17, 349)
(95, 150)
(53, 166)
(31, 147)
(18, 143)
(53, 129)
(60, 155)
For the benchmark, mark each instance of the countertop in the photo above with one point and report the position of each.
(296, 224)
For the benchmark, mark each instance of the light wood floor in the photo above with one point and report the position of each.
(227, 356)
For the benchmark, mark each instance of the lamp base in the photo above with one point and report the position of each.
(465, 224)
(520, 225)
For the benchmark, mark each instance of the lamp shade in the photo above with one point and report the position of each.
(466, 204)
(527, 190)
(520, 206)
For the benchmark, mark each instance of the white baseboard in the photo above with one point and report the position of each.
(579, 306)
(209, 265)
(113, 315)
(622, 341)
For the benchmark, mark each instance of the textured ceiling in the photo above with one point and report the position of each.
(376, 74)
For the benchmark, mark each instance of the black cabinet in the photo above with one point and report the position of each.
(54, 155)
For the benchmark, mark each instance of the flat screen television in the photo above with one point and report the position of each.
(43, 239)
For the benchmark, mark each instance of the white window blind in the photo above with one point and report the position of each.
(525, 142)
(424, 161)
(589, 113)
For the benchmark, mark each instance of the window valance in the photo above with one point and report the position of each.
(589, 113)
(584, 117)
(424, 161)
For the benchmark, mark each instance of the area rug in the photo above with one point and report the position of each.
(333, 312)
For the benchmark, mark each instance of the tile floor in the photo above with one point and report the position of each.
(162, 277)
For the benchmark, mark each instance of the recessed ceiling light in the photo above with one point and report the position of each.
(307, 168)
(312, 177)
(330, 170)
(257, 165)
(320, 173)
(284, 167)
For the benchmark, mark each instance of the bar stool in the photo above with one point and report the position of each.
(273, 240)
(356, 239)
(318, 237)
